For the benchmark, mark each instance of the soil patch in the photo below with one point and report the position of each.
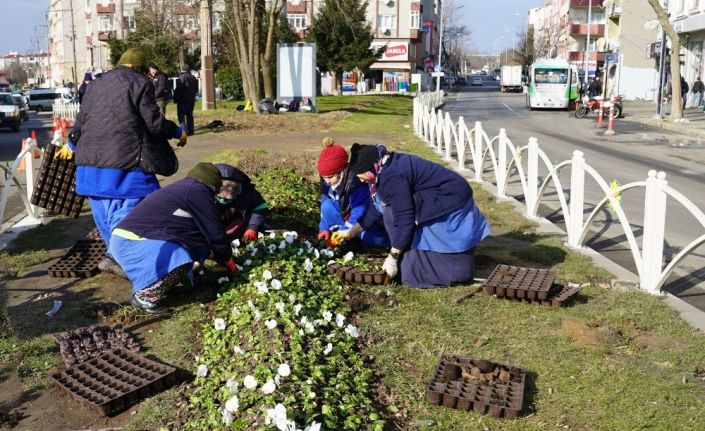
(584, 333)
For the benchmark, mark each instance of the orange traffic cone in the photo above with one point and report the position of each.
(22, 167)
(33, 135)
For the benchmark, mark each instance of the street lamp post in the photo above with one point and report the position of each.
(587, 43)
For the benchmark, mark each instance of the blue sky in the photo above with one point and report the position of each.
(487, 20)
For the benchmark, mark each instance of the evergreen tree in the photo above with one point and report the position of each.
(343, 37)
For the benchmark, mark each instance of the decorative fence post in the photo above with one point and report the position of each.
(574, 220)
(502, 164)
(439, 130)
(533, 179)
(477, 152)
(415, 115)
(461, 143)
(447, 135)
(654, 230)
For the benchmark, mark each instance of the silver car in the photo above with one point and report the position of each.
(9, 112)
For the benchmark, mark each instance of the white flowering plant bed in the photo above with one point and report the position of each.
(280, 352)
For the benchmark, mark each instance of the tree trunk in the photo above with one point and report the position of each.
(676, 98)
(274, 11)
(246, 50)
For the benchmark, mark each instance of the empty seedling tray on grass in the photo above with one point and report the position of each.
(529, 285)
(114, 381)
(485, 387)
(80, 261)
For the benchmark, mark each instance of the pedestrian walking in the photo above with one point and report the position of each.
(595, 88)
(158, 242)
(161, 88)
(698, 89)
(684, 91)
(87, 78)
(428, 211)
(121, 142)
(185, 98)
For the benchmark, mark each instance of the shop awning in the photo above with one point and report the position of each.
(395, 65)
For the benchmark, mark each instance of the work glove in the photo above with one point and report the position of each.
(341, 236)
(250, 235)
(391, 266)
(232, 266)
(324, 235)
(64, 153)
(181, 135)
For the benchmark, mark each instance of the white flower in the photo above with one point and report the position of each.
(304, 320)
(260, 235)
(327, 316)
(331, 335)
(278, 416)
(235, 243)
(301, 332)
(201, 272)
(248, 262)
(339, 320)
(272, 235)
(238, 350)
(253, 252)
(232, 385)
(307, 243)
(327, 252)
(308, 266)
(308, 327)
(202, 370)
(297, 308)
(315, 426)
(270, 324)
(309, 382)
(282, 245)
(348, 257)
(222, 280)
(219, 324)
(227, 417)
(232, 404)
(239, 268)
(352, 331)
(330, 262)
(269, 387)
(312, 395)
(299, 252)
(276, 284)
(292, 297)
(284, 370)
(316, 253)
(328, 349)
(261, 287)
(277, 380)
(251, 304)
(271, 248)
(250, 382)
(267, 274)
(258, 315)
(317, 322)
(290, 236)
(236, 311)
(280, 307)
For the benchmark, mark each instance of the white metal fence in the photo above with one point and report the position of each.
(26, 158)
(458, 143)
(65, 111)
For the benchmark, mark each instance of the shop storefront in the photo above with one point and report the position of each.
(392, 73)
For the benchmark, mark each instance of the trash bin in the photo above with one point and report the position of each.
(378, 88)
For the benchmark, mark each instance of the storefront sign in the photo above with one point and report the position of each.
(393, 51)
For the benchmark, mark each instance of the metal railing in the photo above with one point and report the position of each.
(456, 142)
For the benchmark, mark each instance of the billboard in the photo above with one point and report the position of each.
(393, 51)
(296, 71)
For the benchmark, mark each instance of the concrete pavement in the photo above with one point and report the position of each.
(645, 112)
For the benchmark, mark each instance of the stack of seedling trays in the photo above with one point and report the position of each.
(476, 384)
(55, 189)
(114, 381)
(528, 285)
(81, 261)
(355, 275)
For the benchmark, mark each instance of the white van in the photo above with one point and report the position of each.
(41, 99)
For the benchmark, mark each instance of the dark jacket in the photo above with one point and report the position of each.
(698, 86)
(183, 212)
(595, 88)
(352, 198)
(82, 91)
(247, 205)
(119, 124)
(186, 89)
(418, 191)
(160, 85)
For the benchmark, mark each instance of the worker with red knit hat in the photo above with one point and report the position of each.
(345, 199)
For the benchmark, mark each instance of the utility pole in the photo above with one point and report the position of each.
(440, 37)
(587, 43)
(73, 42)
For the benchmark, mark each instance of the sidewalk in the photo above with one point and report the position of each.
(645, 112)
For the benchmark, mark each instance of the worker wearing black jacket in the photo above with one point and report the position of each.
(185, 97)
(161, 83)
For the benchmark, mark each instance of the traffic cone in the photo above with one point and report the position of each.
(22, 167)
(36, 152)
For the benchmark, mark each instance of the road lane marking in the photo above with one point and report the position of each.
(510, 109)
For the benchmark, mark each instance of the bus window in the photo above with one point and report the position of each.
(551, 76)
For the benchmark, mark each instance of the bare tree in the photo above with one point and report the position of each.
(243, 23)
(662, 16)
(275, 9)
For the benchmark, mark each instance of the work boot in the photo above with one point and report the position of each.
(108, 264)
(147, 307)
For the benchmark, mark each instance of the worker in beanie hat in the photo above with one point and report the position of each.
(242, 208)
(429, 212)
(159, 241)
(133, 58)
(87, 78)
(344, 199)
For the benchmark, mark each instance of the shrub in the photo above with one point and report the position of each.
(230, 81)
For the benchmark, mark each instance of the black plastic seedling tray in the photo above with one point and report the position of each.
(80, 261)
(114, 381)
(55, 188)
(354, 275)
(83, 344)
(479, 385)
(519, 283)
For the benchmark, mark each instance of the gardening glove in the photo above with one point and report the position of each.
(64, 153)
(340, 237)
(391, 266)
(324, 235)
(250, 235)
(232, 266)
(181, 135)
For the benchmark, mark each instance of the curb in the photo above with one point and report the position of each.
(662, 124)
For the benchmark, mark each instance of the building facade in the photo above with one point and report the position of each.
(36, 65)
(688, 18)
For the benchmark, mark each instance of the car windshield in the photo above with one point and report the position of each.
(551, 76)
(6, 99)
(18, 100)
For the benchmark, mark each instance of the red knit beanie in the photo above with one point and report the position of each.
(333, 158)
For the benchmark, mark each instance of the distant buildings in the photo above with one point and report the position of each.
(36, 65)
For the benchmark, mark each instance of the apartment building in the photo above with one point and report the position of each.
(35, 64)
(407, 30)
(688, 18)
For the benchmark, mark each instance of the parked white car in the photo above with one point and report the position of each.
(9, 112)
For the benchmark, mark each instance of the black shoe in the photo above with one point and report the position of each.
(108, 264)
(147, 307)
